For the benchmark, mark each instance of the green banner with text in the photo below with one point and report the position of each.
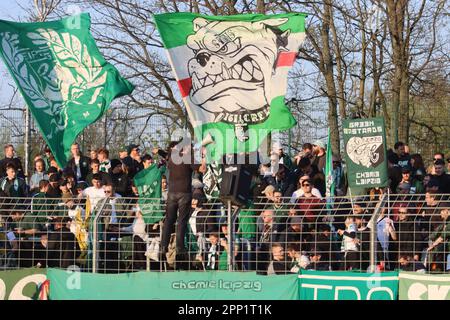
(324, 285)
(67, 285)
(21, 284)
(365, 152)
(415, 286)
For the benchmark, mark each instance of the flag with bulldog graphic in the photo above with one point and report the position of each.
(232, 74)
(365, 152)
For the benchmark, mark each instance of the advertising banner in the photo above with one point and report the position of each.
(324, 285)
(21, 284)
(67, 285)
(414, 286)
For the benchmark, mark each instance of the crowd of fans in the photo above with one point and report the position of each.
(287, 225)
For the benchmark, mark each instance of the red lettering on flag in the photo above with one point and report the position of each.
(286, 59)
(185, 86)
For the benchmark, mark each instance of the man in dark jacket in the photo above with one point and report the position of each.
(79, 164)
(9, 158)
(62, 245)
(120, 179)
(12, 185)
(179, 196)
(133, 160)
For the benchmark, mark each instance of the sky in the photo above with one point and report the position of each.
(10, 9)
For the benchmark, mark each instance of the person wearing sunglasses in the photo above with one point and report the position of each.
(309, 205)
(437, 156)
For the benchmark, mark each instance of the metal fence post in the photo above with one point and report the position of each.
(230, 256)
(27, 142)
(95, 237)
(373, 233)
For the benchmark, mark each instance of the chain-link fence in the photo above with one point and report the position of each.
(276, 235)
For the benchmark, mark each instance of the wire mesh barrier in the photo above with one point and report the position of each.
(271, 235)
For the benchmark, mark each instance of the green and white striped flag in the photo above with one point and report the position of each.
(232, 73)
(61, 74)
(148, 183)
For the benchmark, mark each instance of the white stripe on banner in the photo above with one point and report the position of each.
(367, 278)
(179, 58)
(279, 82)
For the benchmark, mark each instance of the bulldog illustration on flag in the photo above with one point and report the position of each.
(232, 71)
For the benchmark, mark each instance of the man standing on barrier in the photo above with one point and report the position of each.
(180, 165)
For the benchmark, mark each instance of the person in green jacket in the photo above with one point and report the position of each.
(246, 235)
(441, 241)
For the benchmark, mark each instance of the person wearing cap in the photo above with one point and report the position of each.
(294, 232)
(11, 158)
(78, 163)
(120, 178)
(133, 161)
(319, 153)
(123, 152)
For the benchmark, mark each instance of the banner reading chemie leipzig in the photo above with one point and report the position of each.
(232, 74)
(415, 286)
(171, 286)
(324, 285)
(365, 152)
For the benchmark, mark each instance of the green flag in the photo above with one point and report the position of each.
(61, 74)
(232, 74)
(148, 183)
(365, 153)
(329, 169)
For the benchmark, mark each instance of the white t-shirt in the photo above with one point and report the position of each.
(114, 212)
(95, 195)
(299, 193)
(349, 244)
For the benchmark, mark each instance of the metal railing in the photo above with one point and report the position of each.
(270, 235)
